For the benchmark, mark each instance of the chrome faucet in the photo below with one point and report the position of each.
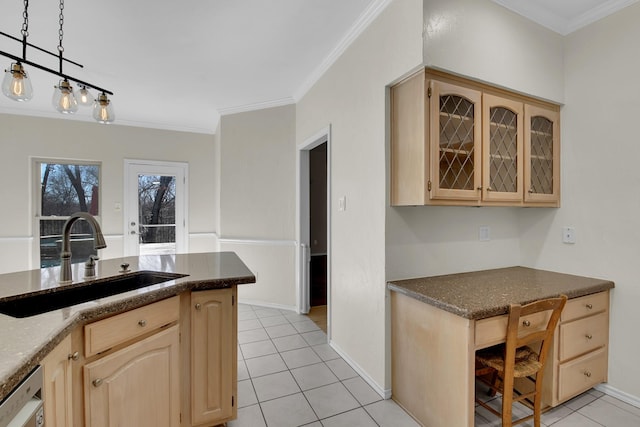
(65, 255)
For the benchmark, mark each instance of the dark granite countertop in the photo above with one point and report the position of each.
(26, 341)
(481, 294)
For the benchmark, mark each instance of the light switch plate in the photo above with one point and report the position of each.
(342, 203)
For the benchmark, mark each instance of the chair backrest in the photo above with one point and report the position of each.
(519, 334)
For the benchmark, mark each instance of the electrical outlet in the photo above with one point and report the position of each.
(568, 235)
(485, 233)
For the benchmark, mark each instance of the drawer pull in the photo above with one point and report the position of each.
(589, 306)
(526, 323)
(74, 356)
(98, 382)
(142, 323)
(198, 306)
(587, 374)
(589, 336)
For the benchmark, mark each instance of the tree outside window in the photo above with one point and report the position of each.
(66, 188)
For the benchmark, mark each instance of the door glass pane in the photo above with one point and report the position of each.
(157, 214)
(541, 155)
(503, 172)
(456, 143)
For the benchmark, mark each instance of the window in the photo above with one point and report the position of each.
(63, 189)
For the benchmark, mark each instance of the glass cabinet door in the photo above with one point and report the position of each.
(542, 153)
(455, 135)
(502, 149)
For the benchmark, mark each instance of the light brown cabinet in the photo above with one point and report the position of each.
(171, 363)
(57, 389)
(213, 356)
(579, 354)
(459, 142)
(135, 377)
(137, 386)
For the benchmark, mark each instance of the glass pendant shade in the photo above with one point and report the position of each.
(64, 100)
(84, 97)
(16, 84)
(103, 110)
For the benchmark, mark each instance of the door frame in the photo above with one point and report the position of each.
(303, 219)
(156, 167)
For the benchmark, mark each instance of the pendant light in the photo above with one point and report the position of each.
(64, 99)
(103, 110)
(17, 85)
(84, 97)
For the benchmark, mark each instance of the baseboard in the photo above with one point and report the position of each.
(619, 394)
(267, 304)
(384, 393)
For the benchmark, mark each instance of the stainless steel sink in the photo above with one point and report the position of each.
(33, 303)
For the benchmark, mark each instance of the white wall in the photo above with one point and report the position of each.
(485, 41)
(24, 137)
(600, 181)
(257, 200)
(351, 97)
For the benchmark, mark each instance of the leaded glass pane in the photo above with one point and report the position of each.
(541, 155)
(503, 152)
(456, 143)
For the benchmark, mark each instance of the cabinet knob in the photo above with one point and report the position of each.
(589, 336)
(526, 323)
(142, 323)
(587, 374)
(74, 356)
(531, 191)
(198, 306)
(489, 189)
(589, 306)
(97, 382)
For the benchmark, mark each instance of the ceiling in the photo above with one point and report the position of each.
(181, 64)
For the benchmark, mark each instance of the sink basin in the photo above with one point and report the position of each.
(33, 303)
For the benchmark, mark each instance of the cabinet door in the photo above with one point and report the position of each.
(502, 149)
(455, 141)
(136, 386)
(213, 356)
(542, 155)
(57, 385)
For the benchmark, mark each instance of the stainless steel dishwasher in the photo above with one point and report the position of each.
(23, 407)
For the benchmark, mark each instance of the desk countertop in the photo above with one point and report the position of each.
(481, 294)
(25, 342)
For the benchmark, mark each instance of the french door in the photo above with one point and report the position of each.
(155, 208)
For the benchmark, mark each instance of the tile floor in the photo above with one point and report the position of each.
(288, 376)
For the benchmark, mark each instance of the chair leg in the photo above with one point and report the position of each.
(507, 402)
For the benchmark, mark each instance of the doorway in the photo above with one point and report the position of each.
(314, 200)
(155, 208)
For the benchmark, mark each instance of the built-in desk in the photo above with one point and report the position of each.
(437, 324)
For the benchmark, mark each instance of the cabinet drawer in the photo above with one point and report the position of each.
(581, 336)
(581, 374)
(493, 330)
(585, 306)
(104, 334)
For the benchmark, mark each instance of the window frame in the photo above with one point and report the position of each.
(36, 189)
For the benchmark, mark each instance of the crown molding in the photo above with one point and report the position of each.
(257, 106)
(562, 26)
(365, 19)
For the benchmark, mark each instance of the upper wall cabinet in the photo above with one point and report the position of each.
(458, 142)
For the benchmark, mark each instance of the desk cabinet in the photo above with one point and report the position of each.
(579, 354)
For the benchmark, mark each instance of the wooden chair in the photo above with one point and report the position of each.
(500, 365)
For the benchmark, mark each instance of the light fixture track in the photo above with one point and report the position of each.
(49, 70)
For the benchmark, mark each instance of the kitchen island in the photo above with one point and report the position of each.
(437, 324)
(27, 341)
